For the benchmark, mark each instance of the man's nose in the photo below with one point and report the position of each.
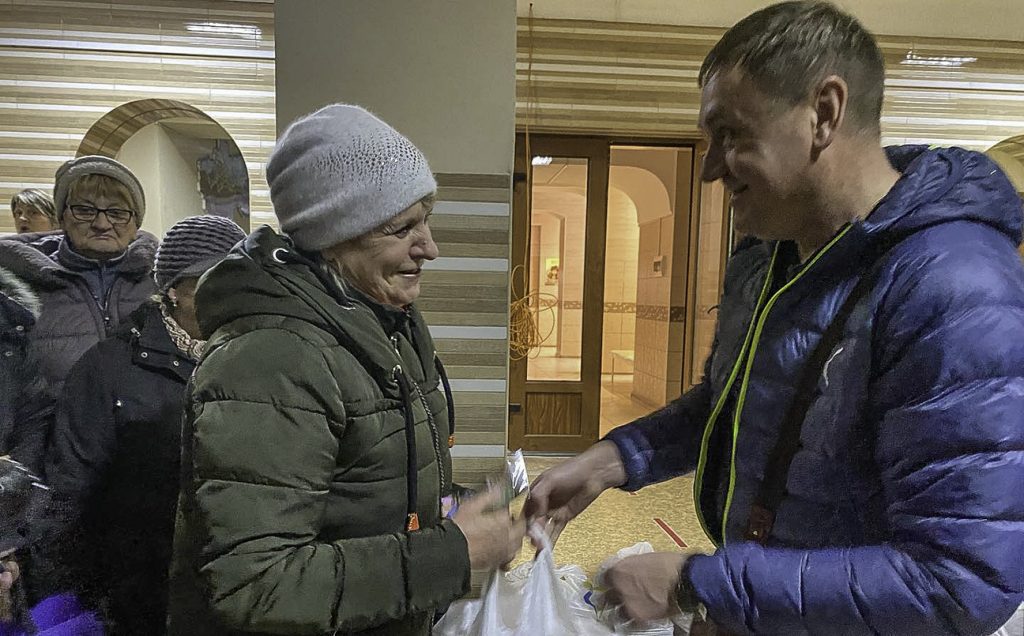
(713, 167)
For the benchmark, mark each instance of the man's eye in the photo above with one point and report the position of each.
(724, 135)
(403, 232)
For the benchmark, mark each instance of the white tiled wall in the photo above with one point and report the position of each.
(620, 278)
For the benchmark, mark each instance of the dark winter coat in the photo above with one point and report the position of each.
(294, 491)
(72, 319)
(114, 464)
(26, 407)
(904, 511)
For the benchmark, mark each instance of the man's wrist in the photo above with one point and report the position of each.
(608, 464)
(686, 595)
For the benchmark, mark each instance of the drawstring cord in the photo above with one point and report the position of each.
(448, 399)
(412, 518)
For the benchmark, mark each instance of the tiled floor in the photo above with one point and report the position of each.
(618, 520)
(617, 406)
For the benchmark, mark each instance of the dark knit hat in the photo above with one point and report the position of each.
(192, 246)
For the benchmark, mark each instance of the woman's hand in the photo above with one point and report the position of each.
(494, 536)
(8, 575)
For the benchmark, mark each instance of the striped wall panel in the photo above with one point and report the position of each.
(65, 64)
(465, 302)
(640, 80)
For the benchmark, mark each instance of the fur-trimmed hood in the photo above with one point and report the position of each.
(18, 291)
(31, 258)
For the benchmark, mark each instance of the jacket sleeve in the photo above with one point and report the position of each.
(948, 402)
(666, 443)
(34, 417)
(84, 437)
(267, 423)
(81, 447)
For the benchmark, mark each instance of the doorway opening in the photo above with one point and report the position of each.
(620, 248)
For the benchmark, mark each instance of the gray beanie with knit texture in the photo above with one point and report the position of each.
(340, 172)
(192, 246)
(71, 171)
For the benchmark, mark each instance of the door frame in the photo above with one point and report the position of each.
(598, 150)
(588, 387)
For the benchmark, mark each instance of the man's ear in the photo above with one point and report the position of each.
(830, 100)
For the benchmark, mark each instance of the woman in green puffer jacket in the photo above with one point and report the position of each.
(316, 438)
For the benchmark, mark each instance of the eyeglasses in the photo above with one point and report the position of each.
(88, 214)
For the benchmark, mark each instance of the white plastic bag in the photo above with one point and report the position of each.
(538, 599)
(530, 600)
(610, 616)
(1015, 626)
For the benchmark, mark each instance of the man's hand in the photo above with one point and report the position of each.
(563, 492)
(645, 585)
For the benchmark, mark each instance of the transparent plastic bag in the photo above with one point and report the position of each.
(611, 617)
(537, 599)
(530, 600)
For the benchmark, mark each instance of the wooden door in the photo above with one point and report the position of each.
(558, 226)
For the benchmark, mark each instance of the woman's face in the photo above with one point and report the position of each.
(385, 263)
(28, 218)
(99, 239)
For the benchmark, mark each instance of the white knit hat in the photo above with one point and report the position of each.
(71, 171)
(340, 172)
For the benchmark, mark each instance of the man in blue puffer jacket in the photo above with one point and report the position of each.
(903, 508)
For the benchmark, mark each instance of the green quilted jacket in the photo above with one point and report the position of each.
(294, 502)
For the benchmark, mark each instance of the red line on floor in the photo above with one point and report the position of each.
(667, 529)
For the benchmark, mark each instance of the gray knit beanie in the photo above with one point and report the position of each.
(71, 171)
(339, 172)
(192, 246)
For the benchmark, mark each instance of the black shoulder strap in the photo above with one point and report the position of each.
(773, 487)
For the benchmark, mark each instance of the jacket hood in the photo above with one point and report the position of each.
(31, 257)
(15, 289)
(253, 280)
(939, 185)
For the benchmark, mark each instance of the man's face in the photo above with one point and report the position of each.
(761, 149)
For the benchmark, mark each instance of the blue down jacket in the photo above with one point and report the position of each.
(904, 511)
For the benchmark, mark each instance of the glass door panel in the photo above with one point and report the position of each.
(558, 226)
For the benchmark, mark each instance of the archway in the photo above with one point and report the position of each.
(187, 162)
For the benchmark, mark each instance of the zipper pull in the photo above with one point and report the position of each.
(394, 343)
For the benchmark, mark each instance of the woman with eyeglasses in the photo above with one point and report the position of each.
(32, 210)
(92, 273)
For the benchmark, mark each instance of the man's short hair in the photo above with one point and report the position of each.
(788, 48)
